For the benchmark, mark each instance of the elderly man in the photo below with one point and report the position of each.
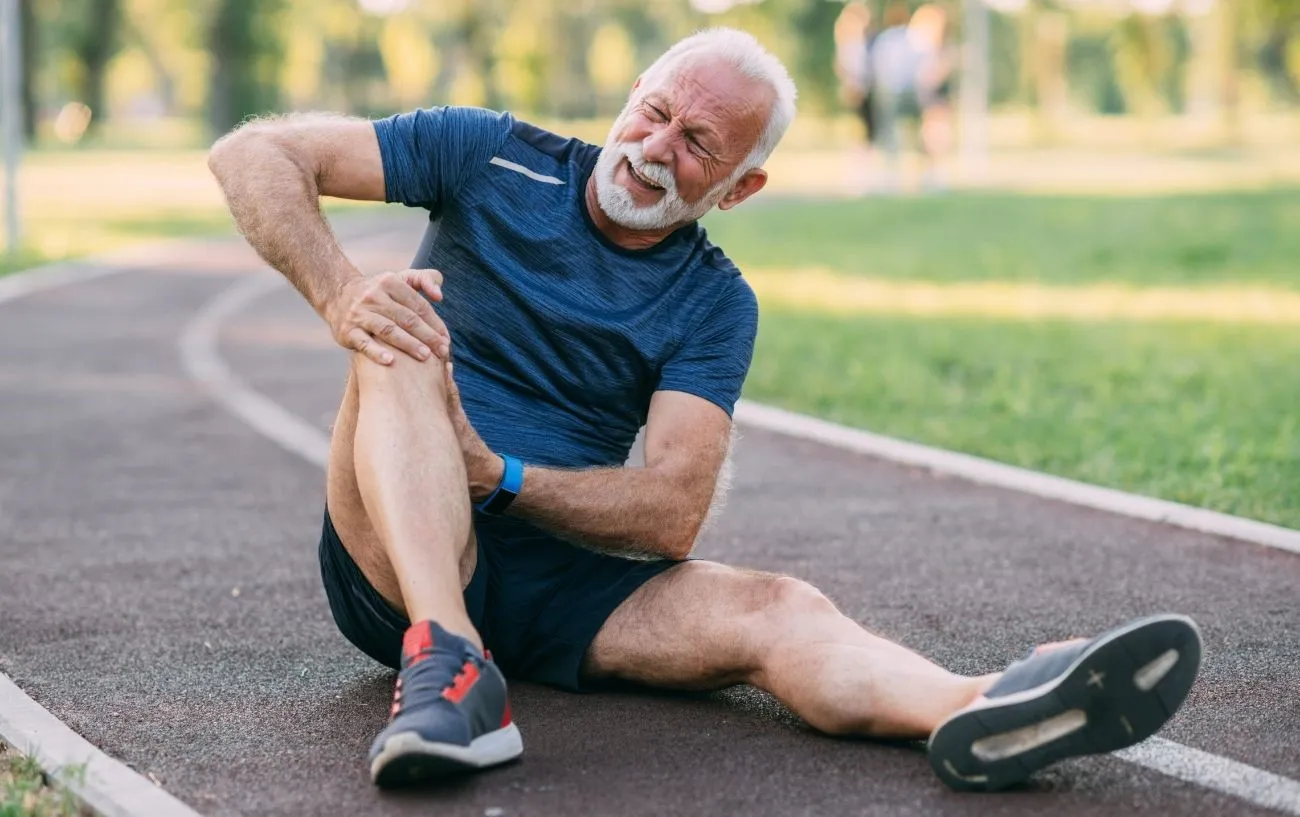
(480, 521)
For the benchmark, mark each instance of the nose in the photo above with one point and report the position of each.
(657, 147)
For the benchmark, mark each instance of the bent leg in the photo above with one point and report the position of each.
(397, 490)
(702, 625)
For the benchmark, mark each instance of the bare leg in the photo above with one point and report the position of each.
(705, 626)
(397, 490)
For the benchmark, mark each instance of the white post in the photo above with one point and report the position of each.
(973, 106)
(11, 116)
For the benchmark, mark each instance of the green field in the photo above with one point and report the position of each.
(1151, 345)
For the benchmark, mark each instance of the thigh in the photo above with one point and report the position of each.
(701, 625)
(348, 512)
(548, 598)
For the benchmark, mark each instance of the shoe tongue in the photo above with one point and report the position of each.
(418, 642)
(425, 638)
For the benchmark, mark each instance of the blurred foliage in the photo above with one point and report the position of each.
(221, 60)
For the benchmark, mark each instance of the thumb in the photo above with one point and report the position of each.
(428, 281)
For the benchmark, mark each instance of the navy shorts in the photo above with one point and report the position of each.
(536, 600)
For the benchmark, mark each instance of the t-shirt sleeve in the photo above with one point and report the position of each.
(429, 154)
(713, 362)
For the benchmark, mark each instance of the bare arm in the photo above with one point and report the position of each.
(656, 510)
(273, 173)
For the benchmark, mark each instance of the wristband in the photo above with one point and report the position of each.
(512, 480)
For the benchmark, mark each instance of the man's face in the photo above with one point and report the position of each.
(677, 148)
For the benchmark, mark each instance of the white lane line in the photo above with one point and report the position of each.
(106, 786)
(199, 352)
(200, 359)
(988, 472)
(1237, 779)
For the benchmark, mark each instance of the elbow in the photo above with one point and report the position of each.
(226, 153)
(238, 148)
(677, 540)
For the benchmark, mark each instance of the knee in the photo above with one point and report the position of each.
(405, 375)
(790, 598)
(786, 609)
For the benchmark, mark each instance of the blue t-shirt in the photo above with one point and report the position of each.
(559, 336)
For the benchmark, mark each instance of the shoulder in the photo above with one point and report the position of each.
(735, 297)
(528, 140)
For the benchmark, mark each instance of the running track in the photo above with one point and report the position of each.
(159, 590)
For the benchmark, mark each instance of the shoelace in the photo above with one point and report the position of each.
(460, 682)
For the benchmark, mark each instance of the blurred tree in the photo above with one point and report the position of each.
(244, 39)
(27, 19)
(1279, 55)
(1143, 58)
(91, 29)
(576, 58)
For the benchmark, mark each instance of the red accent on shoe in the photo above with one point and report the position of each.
(417, 644)
(505, 719)
(396, 708)
(464, 680)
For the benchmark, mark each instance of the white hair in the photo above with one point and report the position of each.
(741, 50)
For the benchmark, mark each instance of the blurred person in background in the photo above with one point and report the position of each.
(854, 36)
(927, 32)
(484, 522)
(910, 87)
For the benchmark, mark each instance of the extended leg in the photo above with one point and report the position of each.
(782, 635)
(701, 626)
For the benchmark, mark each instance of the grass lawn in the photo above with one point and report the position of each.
(23, 792)
(1151, 345)
(82, 202)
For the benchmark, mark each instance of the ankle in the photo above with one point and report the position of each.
(981, 684)
(425, 635)
(452, 624)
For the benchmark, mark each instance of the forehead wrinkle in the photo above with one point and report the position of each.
(704, 105)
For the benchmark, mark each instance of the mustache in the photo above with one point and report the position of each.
(657, 173)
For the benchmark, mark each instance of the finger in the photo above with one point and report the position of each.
(428, 281)
(389, 333)
(361, 342)
(415, 315)
(415, 326)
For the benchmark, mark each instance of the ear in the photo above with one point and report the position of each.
(746, 186)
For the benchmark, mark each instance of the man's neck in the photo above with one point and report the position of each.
(620, 235)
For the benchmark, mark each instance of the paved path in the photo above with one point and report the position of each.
(159, 592)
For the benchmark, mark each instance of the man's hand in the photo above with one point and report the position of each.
(384, 313)
(483, 468)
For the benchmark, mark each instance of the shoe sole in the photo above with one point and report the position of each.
(407, 759)
(1117, 693)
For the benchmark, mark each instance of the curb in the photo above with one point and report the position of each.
(100, 783)
(989, 472)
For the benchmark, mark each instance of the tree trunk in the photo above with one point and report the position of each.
(1229, 29)
(96, 48)
(244, 42)
(27, 18)
(479, 35)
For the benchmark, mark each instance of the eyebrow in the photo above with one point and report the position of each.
(699, 132)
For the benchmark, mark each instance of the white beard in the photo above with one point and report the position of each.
(669, 211)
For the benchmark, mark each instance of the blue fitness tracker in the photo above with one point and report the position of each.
(512, 479)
